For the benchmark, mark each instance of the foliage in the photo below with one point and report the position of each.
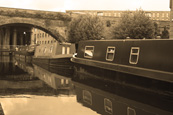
(135, 25)
(85, 27)
(156, 30)
(165, 33)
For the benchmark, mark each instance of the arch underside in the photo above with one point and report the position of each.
(55, 34)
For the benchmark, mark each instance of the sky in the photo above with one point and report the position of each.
(62, 5)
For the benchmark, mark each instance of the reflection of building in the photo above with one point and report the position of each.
(41, 37)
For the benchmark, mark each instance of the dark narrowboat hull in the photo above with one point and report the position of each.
(61, 66)
(155, 57)
(150, 75)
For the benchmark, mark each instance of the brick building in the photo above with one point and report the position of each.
(40, 37)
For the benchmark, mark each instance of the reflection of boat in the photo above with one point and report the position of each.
(106, 103)
(55, 56)
(146, 64)
(26, 67)
(54, 80)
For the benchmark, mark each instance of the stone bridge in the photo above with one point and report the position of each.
(54, 23)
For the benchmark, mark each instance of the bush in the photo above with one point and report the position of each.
(135, 25)
(85, 27)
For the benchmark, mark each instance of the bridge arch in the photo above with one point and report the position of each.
(52, 27)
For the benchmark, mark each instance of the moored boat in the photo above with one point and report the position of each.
(146, 64)
(55, 57)
(25, 53)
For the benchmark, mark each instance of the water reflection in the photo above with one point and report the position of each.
(30, 90)
(111, 97)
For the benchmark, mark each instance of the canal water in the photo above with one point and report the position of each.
(28, 89)
(25, 91)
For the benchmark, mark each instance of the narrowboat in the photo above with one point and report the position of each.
(143, 64)
(55, 57)
(25, 53)
(106, 103)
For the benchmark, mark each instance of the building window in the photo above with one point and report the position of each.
(131, 111)
(110, 53)
(89, 51)
(115, 14)
(167, 15)
(157, 14)
(153, 14)
(42, 35)
(108, 106)
(119, 14)
(37, 35)
(45, 35)
(99, 13)
(134, 55)
(87, 97)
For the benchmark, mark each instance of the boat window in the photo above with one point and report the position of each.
(63, 50)
(89, 51)
(108, 106)
(110, 53)
(39, 50)
(62, 81)
(66, 82)
(134, 55)
(44, 50)
(51, 49)
(131, 111)
(87, 97)
(68, 50)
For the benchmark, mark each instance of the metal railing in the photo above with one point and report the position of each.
(6, 48)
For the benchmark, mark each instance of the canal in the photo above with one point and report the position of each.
(28, 89)
(25, 91)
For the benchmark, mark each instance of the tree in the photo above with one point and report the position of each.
(135, 25)
(85, 27)
(165, 33)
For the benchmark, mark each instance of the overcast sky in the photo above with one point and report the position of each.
(62, 5)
